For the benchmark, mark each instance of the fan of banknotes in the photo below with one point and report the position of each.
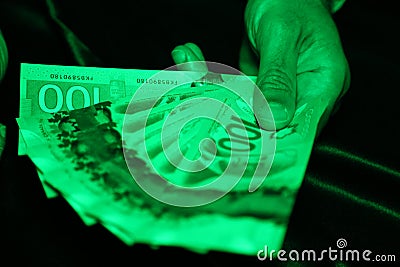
(146, 162)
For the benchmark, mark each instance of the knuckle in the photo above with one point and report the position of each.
(278, 81)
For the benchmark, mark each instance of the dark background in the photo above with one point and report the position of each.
(351, 187)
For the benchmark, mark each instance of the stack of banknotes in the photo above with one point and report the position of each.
(164, 158)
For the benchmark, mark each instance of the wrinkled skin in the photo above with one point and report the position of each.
(294, 49)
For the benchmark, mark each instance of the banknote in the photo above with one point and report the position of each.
(98, 180)
(51, 88)
(101, 145)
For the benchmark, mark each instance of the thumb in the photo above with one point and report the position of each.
(276, 79)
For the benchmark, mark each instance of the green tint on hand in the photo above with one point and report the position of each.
(295, 50)
(3, 56)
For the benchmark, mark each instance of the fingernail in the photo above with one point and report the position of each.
(279, 112)
(179, 56)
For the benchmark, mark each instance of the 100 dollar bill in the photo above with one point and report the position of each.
(52, 88)
(80, 155)
(73, 153)
(48, 89)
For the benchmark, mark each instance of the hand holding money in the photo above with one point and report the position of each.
(126, 150)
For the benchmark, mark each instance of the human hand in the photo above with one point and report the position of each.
(3, 56)
(295, 50)
(2, 138)
(3, 66)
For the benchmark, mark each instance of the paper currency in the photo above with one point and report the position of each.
(50, 88)
(105, 190)
(79, 152)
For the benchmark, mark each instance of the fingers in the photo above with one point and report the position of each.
(248, 61)
(2, 138)
(276, 43)
(324, 87)
(189, 57)
(3, 56)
